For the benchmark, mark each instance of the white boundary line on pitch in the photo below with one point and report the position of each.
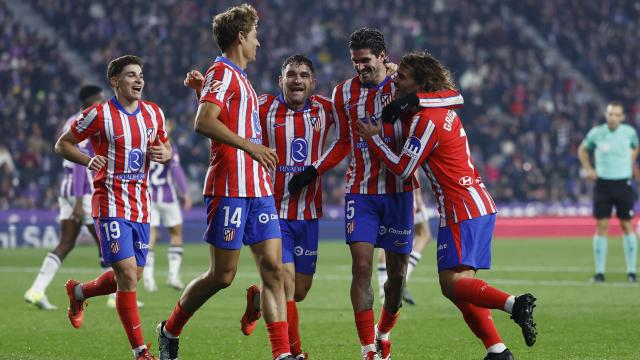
(336, 277)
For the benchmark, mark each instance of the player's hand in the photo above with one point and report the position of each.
(194, 80)
(590, 174)
(392, 69)
(265, 156)
(160, 153)
(78, 212)
(187, 202)
(369, 129)
(394, 109)
(97, 162)
(302, 179)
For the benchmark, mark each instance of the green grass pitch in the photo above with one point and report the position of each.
(576, 320)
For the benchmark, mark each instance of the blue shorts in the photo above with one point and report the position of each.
(466, 243)
(233, 221)
(386, 221)
(121, 239)
(300, 244)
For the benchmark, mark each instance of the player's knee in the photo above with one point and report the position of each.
(301, 293)
(222, 279)
(272, 270)
(361, 268)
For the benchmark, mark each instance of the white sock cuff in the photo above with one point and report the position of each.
(416, 255)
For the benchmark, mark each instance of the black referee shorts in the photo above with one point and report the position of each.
(610, 193)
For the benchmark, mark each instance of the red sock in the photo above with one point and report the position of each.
(278, 338)
(479, 293)
(294, 332)
(364, 324)
(387, 320)
(177, 320)
(104, 284)
(480, 322)
(128, 311)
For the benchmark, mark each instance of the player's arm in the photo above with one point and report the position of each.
(208, 124)
(420, 142)
(583, 156)
(66, 147)
(341, 145)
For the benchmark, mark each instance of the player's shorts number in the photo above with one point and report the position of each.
(112, 230)
(351, 211)
(235, 217)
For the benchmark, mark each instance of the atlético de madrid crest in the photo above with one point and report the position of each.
(315, 122)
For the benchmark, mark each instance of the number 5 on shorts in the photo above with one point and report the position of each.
(351, 211)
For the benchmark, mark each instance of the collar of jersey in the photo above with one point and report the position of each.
(376, 86)
(228, 62)
(307, 106)
(115, 102)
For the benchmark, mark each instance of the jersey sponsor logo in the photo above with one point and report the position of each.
(290, 168)
(256, 140)
(229, 234)
(412, 148)
(130, 176)
(466, 181)
(299, 147)
(362, 144)
(136, 159)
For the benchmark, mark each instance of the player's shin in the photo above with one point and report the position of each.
(479, 293)
(481, 324)
(104, 284)
(127, 308)
(293, 328)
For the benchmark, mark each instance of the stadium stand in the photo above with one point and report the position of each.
(524, 119)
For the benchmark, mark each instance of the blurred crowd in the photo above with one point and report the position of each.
(524, 118)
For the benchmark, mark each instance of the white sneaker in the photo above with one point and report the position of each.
(111, 301)
(150, 284)
(39, 299)
(176, 284)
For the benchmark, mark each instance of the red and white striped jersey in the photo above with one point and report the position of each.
(232, 172)
(120, 187)
(367, 174)
(437, 142)
(298, 138)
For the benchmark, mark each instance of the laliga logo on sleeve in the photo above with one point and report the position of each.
(298, 150)
(412, 148)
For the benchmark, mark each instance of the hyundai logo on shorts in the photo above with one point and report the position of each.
(466, 181)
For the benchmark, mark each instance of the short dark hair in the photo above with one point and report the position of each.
(298, 59)
(88, 91)
(367, 38)
(116, 65)
(228, 24)
(428, 72)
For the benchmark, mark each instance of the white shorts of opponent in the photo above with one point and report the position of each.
(67, 203)
(167, 214)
